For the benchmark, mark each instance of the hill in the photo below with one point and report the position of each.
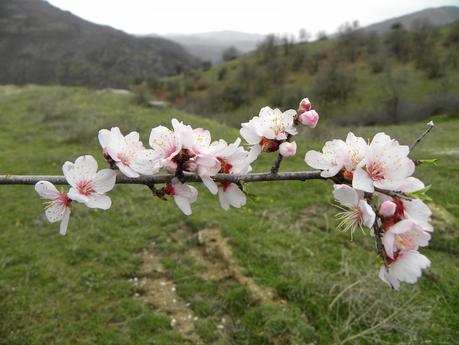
(209, 46)
(358, 77)
(124, 275)
(41, 44)
(438, 16)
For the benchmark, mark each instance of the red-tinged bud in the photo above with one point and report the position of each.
(189, 166)
(309, 118)
(169, 189)
(305, 105)
(387, 208)
(287, 149)
(170, 167)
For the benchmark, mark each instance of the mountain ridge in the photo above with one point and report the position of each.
(42, 44)
(436, 16)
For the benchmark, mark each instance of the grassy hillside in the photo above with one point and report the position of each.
(292, 278)
(357, 77)
(42, 44)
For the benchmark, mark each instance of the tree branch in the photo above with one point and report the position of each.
(430, 125)
(277, 163)
(151, 180)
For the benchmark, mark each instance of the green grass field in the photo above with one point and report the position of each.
(100, 283)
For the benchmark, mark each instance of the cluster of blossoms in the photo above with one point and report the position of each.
(376, 190)
(374, 182)
(179, 151)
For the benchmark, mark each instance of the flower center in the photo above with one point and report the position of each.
(123, 158)
(225, 166)
(405, 242)
(170, 151)
(375, 171)
(63, 199)
(350, 220)
(169, 189)
(85, 187)
(269, 145)
(225, 185)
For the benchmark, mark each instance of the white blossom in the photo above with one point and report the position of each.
(357, 213)
(89, 186)
(184, 195)
(58, 208)
(268, 130)
(406, 268)
(128, 153)
(386, 165)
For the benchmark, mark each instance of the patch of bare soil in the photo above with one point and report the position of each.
(161, 293)
(216, 256)
(441, 220)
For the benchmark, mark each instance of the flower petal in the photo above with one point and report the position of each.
(76, 196)
(183, 204)
(210, 184)
(362, 181)
(345, 195)
(104, 181)
(64, 222)
(55, 212)
(104, 137)
(46, 190)
(99, 201)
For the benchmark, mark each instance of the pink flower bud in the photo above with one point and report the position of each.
(305, 105)
(309, 118)
(170, 167)
(287, 149)
(190, 166)
(387, 208)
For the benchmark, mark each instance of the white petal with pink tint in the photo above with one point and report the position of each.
(58, 209)
(104, 181)
(231, 195)
(88, 185)
(46, 190)
(287, 149)
(406, 268)
(330, 160)
(84, 167)
(100, 201)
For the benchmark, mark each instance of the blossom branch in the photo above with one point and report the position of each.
(377, 230)
(277, 163)
(430, 126)
(152, 180)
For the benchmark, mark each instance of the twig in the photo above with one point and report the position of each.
(377, 229)
(279, 158)
(430, 125)
(151, 180)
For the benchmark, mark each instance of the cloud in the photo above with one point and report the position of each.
(268, 16)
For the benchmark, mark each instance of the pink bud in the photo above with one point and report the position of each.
(305, 105)
(387, 208)
(190, 166)
(287, 149)
(170, 167)
(309, 118)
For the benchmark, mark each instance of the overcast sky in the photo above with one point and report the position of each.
(257, 16)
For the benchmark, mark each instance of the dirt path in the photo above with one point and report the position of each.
(212, 252)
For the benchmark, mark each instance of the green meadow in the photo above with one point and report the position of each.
(99, 284)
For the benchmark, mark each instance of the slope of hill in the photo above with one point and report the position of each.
(41, 44)
(358, 77)
(110, 279)
(210, 45)
(438, 16)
